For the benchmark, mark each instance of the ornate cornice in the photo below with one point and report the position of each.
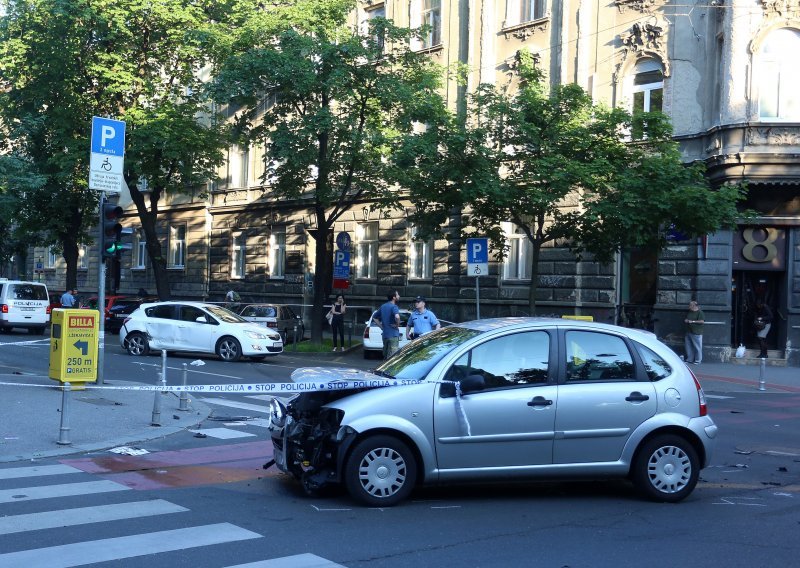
(773, 136)
(527, 29)
(643, 6)
(781, 8)
(642, 41)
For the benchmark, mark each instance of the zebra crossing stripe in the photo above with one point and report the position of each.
(62, 490)
(86, 515)
(297, 561)
(36, 471)
(242, 405)
(109, 549)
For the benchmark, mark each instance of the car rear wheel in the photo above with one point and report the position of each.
(666, 469)
(136, 344)
(381, 471)
(229, 349)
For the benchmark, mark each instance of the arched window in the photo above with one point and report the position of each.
(779, 82)
(647, 90)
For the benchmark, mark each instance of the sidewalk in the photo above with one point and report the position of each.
(30, 418)
(730, 377)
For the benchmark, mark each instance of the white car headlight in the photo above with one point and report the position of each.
(255, 335)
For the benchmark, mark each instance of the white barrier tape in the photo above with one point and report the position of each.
(243, 388)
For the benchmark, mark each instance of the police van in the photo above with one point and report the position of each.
(24, 305)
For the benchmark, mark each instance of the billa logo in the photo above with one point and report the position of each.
(81, 321)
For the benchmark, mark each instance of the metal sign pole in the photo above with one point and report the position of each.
(101, 297)
(477, 298)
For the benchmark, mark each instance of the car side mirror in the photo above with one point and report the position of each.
(201, 319)
(473, 383)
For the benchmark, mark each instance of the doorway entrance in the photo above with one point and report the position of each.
(747, 288)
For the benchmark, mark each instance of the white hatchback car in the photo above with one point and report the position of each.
(196, 327)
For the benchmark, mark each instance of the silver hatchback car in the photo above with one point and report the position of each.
(495, 400)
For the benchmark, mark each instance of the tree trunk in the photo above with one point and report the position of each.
(148, 218)
(70, 246)
(534, 287)
(322, 279)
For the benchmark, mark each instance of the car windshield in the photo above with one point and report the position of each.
(415, 360)
(225, 315)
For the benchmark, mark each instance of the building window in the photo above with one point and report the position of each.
(648, 87)
(238, 255)
(420, 257)
(432, 17)
(139, 250)
(372, 13)
(367, 250)
(52, 258)
(239, 167)
(779, 83)
(531, 10)
(177, 246)
(517, 264)
(83, 257)
(277, 253)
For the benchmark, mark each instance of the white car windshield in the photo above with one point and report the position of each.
(225, 315)
(415, 360)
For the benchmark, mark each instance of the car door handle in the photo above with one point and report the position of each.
(636, 396)
(540, 401)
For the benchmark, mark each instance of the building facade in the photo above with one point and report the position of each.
(722, 70)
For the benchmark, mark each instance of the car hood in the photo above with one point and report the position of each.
(322, 378)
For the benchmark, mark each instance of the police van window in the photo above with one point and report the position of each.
(655, 367)
(28, 292)
(595, 356)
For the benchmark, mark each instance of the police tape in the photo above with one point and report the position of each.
(248, 388)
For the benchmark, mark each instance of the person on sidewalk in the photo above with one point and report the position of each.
(693, 340)
(232, 300)
(68, 298)
(336, 314)
(389, 317)
(421, 321)
(762, 324)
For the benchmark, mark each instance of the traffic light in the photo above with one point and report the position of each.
(111, 232)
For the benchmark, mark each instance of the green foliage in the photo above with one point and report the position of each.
(561, 169)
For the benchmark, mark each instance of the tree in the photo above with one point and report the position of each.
(64, 61)
(342, 101)
(17, 178)
(559, 168)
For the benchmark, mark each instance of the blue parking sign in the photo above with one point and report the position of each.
(477, 251)
(341, 264)
(108, 136)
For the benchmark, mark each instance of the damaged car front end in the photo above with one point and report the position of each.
(308, 440)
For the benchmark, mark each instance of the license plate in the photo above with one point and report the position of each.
(26, 309)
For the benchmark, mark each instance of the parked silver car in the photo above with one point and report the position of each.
(500, 399)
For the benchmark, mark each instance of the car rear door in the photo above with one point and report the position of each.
(511, 422)
(601, 399)
(162, 326)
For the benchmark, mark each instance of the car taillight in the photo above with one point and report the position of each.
(127, 319)
(366, 332)
(4, 308)
(700, 395)
(272, 324)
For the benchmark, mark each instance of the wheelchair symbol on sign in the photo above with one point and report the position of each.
(477, 270)
(106, 165)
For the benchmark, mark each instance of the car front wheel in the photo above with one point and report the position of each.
(381, 471)
(229, 349)
(136, 344)
(666, 469)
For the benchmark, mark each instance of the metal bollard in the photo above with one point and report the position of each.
(183, 401)
(63, 432)
(294, 338)
(164, 365)
(156, 419)
(761, 379)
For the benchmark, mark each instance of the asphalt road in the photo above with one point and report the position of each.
(205, 502)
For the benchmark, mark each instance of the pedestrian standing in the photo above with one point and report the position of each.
(232, 300)
(336, 314)
(421, 321)
(68, 298)
(762, 323)
(694, 321)
(389, 316)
